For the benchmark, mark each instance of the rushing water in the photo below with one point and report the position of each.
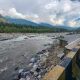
(18, 51)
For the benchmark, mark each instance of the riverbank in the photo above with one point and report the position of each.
(18, 51)
(41, 63)
(28, 53)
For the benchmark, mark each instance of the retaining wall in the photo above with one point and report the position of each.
(68, 68)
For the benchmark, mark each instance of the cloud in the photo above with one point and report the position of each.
(59, 12)
(72, 23)
(67, 7)
(13, 13)
(33, 17)
(59, 21)
(2, 12)
(51, 5)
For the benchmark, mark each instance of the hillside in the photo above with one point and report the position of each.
(2, 19)
(8, 24)
(27, 22)
(20, 21)
(9, 28)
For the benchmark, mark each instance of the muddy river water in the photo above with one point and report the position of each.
(17, 52)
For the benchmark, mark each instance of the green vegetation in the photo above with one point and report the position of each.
(2, 19)
(9, 28)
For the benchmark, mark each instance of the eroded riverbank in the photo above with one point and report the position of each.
(18, 52)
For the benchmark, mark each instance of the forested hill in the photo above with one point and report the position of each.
(2, 19)
(10, 28)
(9, 25)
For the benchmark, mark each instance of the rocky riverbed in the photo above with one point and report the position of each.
(40, 64)
(29, 56)
(17, 51)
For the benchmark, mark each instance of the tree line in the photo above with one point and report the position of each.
(14, 28)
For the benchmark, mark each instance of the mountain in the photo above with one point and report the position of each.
(27, 22)
(65, 27)
(2, 19)
(49, 25)
(20, 21)
(45, 24)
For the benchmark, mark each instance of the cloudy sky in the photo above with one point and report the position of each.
(56, 12)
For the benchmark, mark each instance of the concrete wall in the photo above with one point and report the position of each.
(68, 68)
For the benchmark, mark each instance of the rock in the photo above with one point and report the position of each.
(31, 72)
(40, 52)
(44, 50)
(25, 74)
(27, 78)
(37, 57)
(22, 79)
(38, 70)
(21, 70)
(33, 60)
(30, 64)
(16, 68)
(41, 55)
(43, 58)
(35, 74)
(61, 55)
(47, 54)
(39, 76)
(19, 76)
(16, 77)
(22, 75)
(43, 71)
(26, 38)
(26, 69)
(34, 67)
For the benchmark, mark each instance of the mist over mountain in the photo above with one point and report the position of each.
(10, 20)
(20, 21)
(27, 22)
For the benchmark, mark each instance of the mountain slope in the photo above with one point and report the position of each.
(27, 22)
(46, 25)
(2, 19)
(20, 21)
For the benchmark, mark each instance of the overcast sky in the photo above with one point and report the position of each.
(56, 12)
